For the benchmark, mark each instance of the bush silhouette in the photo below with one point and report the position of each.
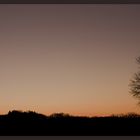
(32, 123)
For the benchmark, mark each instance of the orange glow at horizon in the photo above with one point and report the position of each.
(75, 59)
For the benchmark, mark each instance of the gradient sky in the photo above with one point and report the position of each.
(75, 59)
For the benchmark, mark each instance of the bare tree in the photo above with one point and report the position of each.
(135, 82)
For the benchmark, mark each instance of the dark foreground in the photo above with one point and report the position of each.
(31, 123)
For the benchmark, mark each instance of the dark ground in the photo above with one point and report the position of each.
(31, 123)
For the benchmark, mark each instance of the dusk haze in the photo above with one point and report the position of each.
(76, 59)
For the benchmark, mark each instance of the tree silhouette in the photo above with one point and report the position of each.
(135, 82)
(30, 123)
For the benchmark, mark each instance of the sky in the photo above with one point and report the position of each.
(76, 59)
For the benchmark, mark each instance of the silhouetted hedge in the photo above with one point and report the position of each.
(32, 123)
